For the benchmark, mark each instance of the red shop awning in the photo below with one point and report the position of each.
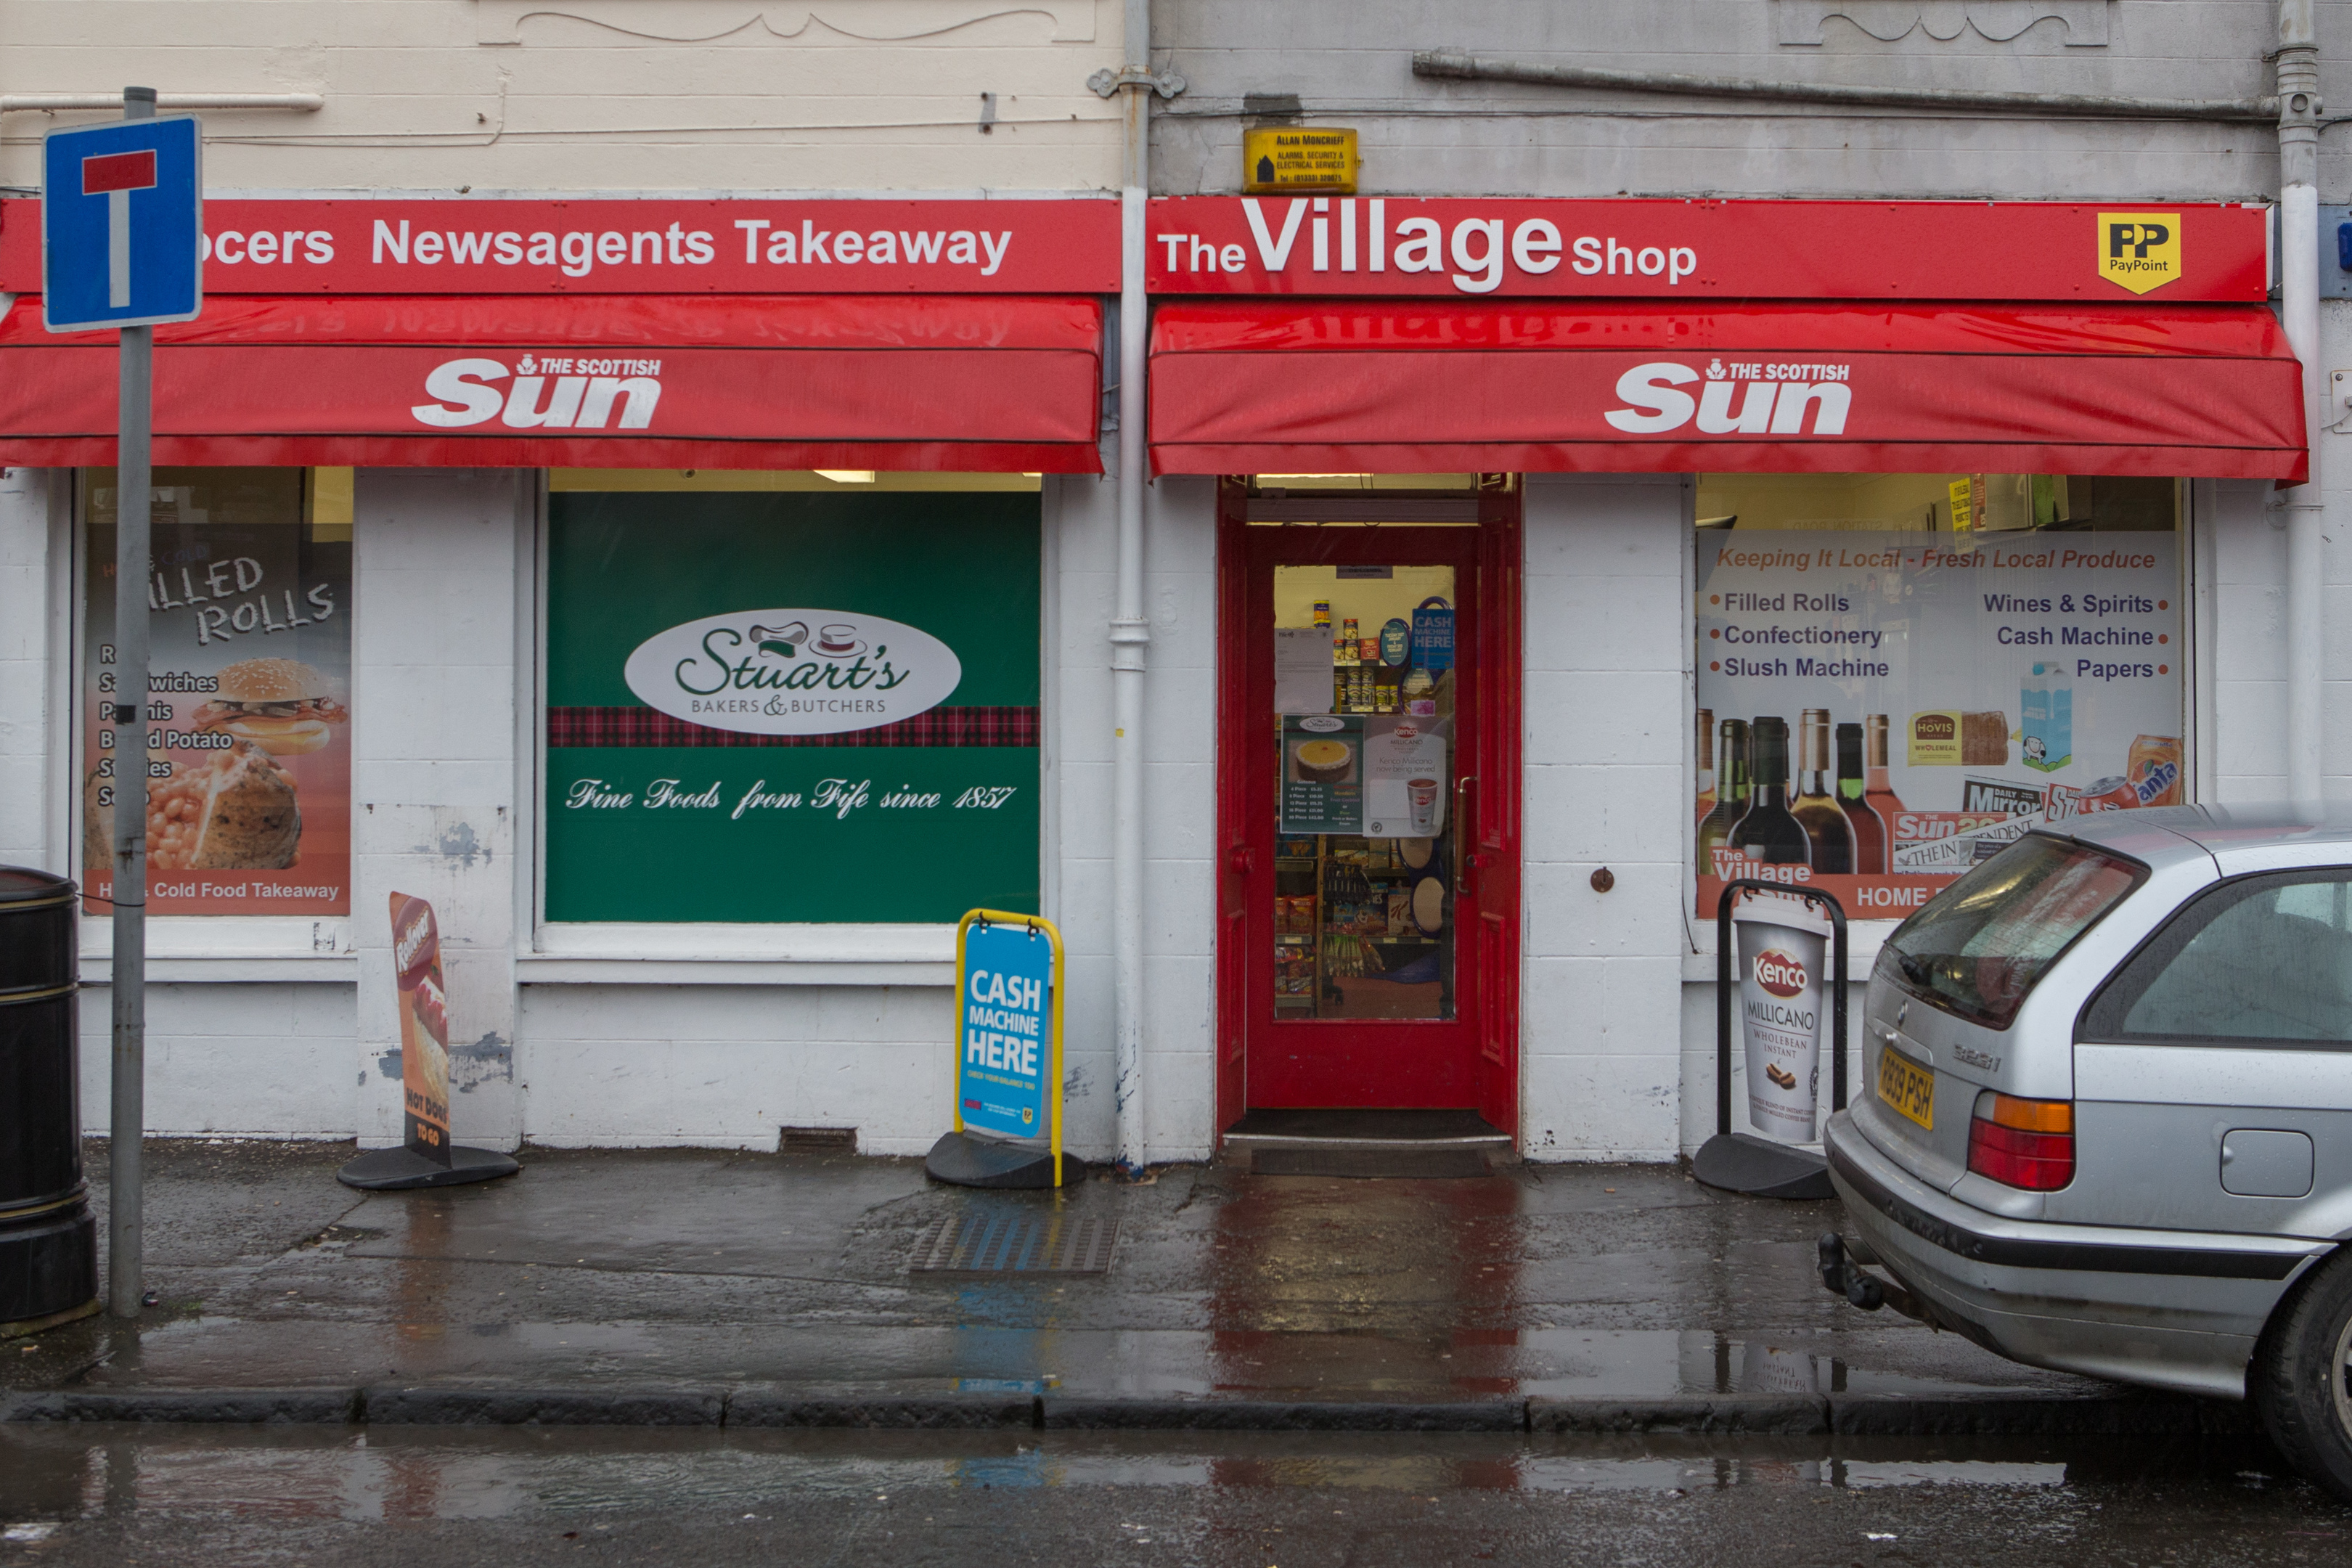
(949, 383)
(1400, 386)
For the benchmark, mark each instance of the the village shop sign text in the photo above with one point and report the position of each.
(1467, 246)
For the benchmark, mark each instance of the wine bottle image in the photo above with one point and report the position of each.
(1829, 834)
(1876, 790)
(1768, 832)
(1869, 833)
(1730, 791)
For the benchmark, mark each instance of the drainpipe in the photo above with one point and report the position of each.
(1130, 632)
(2299, 109)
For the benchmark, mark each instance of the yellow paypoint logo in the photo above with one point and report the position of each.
(2139, 251)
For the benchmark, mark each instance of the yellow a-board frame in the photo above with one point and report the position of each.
(1053, 1005)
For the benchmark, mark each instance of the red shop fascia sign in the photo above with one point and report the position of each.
(1470, 248)
(654, 246)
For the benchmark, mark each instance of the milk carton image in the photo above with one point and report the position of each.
(2046, 699)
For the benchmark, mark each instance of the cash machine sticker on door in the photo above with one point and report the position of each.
(793, 672)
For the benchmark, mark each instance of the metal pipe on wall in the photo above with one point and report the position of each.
(2298, 130)
(1130, 632)
(1457, 65)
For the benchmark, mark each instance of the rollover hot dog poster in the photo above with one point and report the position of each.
(1988, 681)
(248, 741)
(424, 1027)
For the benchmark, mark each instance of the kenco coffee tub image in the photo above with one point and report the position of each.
(1780, 945)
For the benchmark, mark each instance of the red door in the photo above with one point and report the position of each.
(1369, 801)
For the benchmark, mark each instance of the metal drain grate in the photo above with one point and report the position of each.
(1016, 1243)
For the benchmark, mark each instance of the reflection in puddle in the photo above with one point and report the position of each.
(388, 1474)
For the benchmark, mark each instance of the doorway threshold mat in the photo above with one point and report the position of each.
(1012, 1242)
(1370, 1164)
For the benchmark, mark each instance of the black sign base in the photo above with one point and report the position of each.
(971, 1161)
(390, 1169)
(1743, 1162)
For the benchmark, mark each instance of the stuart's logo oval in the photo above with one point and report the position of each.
(794, 671)
(1779, 973)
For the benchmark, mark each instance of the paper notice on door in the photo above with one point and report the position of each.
(1302, 670)
(1406, 777)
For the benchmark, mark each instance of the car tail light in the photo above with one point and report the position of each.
(2027, 1143)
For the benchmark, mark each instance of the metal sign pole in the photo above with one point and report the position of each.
(134, 500)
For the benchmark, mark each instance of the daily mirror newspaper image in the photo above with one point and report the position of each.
(1880, 709)
(248, 765)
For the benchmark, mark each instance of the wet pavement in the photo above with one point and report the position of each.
(113, 1495)
(710, 1270)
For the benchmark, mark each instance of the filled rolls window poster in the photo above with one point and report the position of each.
(246, 771)
(792, 707)
(1897, 675)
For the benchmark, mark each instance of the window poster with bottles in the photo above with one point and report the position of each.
(246, 767)
(1897, 675)
(792, 705)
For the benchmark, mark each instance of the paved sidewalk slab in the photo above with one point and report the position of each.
(714, 1288)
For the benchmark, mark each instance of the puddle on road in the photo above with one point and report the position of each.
(63, 1474)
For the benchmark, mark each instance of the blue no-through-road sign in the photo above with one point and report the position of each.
(122, 224)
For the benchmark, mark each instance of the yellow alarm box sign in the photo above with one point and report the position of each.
(1295, 158)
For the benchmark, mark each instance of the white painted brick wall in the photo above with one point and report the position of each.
(30, 626)
(1608, 704)
(727, 1066)
(231, 1060)
(1179, 810)
(434, 775)
(611, 95)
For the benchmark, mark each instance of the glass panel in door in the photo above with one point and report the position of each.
(1364, 735)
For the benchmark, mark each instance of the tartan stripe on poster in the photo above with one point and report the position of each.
(647, 727)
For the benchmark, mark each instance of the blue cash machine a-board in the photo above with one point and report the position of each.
(1008, 1101)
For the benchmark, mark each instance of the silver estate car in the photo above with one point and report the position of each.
(2106, 1120)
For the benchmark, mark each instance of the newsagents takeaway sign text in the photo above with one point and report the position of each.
(657, 246)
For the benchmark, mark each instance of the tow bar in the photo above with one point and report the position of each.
(1842, 1277)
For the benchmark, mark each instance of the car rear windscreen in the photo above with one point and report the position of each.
(1979, 948)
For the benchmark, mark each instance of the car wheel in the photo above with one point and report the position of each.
(2302, 1377)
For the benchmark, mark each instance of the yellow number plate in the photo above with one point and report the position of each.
(1907, 1087)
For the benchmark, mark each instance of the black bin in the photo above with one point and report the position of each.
(49, 1240)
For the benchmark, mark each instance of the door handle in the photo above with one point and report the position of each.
(1240, 860)
(1465, 860)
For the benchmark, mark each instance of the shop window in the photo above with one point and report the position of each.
(1898, 674)
(805, 703)
(247, 761)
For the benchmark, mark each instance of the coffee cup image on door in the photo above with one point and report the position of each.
(1421, 796)
(1322, 761)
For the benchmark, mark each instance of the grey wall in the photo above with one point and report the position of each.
(1351, 64)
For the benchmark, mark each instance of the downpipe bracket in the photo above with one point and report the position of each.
(1106, 82)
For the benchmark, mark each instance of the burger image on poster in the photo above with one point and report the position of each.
(285, 707)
